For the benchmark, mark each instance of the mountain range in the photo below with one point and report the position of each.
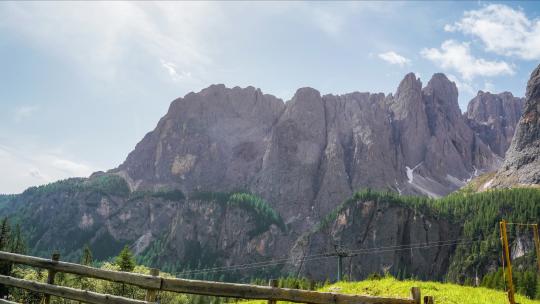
(232, 175)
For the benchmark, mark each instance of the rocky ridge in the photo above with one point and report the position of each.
(307, 155)
(522, 163)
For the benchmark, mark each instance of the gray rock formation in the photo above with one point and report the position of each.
(213, 140)
(494, 118)
(522, 163)
(309, 154)
(374, 234)
(162, 228)
(440, 152)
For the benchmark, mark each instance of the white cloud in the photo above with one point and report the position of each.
(394, 58)
(22, 169)
(105, 38)
(24, 112)
(503, 30)
(457, 56)
(171, 69)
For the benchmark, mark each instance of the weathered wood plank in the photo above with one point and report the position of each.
(244, 291)
(67, 293)
(141, 280)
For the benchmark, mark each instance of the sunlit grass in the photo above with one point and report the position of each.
(443, 293)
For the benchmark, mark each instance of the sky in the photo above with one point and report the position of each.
(82, 82)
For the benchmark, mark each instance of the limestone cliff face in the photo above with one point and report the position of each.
(522, 163)
(438, 149)
(213, 140)
(307, 155)
(164, 229)
(494, 118)
(375, 234)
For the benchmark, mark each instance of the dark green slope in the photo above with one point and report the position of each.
(477, 216)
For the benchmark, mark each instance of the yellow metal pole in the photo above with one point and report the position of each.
(506, 250)
(537, 244)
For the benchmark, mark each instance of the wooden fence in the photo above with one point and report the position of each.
(153, 283)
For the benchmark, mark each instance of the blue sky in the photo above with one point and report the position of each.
(82, 82)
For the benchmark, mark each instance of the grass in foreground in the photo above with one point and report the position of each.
(443, 293)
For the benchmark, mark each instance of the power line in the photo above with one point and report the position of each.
(331, 254)
(348, 253)
(286, 261)
(327, 254)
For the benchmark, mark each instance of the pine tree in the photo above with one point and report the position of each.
(16, 242)
(86, 256)
(5, 240)
(528, 284)
(125, 260)
(5, 233)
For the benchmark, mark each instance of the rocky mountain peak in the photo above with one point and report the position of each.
(307, 93)
(494, 118)
(307, 109)
(443, 92)
(522, 163)
(409, 83)
(407, 101)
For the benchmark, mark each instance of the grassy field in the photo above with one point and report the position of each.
(442, 293)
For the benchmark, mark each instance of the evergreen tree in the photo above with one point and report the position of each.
(527, 284)
(5, 233)
(5, 268)
(16, 242)
(125, 260)
(86, 256)
(11, 241)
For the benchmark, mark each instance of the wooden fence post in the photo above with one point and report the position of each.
(50, 277)
(415, 295)
(151, 293)
(428, 300)
(506, 251)
(272, 283)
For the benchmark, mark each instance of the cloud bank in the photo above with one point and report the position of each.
(457, 56)
(502, 30)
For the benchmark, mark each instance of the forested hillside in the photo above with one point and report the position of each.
(476, 250)
(469, 220)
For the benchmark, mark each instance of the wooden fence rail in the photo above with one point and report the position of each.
(154, 283)
(140, 280)
(67, 292)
